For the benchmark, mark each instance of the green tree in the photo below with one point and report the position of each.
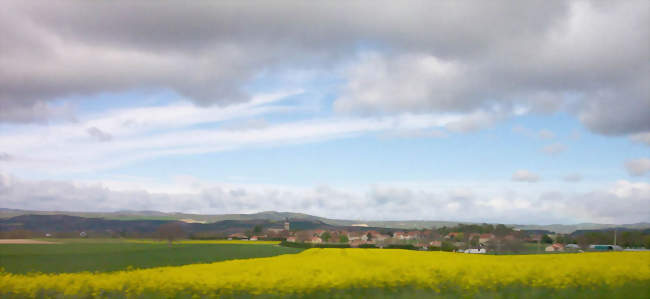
(343, 239)
(547, 239)
(325, 236)
(474, 241)
(447, 246)
(171, 231)
(501, 230)
(369, 236)
(257, 229)
(460, 237)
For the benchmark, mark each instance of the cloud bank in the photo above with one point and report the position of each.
(618, 202)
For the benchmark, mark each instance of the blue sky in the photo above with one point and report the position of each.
(533, 119)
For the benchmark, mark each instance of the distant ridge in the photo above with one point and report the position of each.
(278, 216)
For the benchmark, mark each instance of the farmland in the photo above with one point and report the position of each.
(362, 273)
(111, 255)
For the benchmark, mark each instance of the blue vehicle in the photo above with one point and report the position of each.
(605, 247)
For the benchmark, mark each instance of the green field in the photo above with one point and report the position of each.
(111, 255)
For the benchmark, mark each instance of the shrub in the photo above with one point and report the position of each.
(401, 246)
(368, 246)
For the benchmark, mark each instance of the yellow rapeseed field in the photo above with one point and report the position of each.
(317, 269)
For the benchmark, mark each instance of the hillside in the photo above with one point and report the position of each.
(272, 216)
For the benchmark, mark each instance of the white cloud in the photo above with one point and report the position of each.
(404, 83)
(638, 167)
(422, 133)
(525, 176)
(181, 129)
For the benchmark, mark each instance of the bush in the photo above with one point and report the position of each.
(325, 245)
(401, 246)
(309, 245)
(447, 246)
(368, 246)
(295, 244)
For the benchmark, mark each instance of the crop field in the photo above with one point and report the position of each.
(112, 255)
(353, 273)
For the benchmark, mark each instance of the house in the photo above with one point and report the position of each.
(399, 235)
(258, 237)
(453, 235)
(356, 243)
(237, 236)
(534, 238)
(484, 238)
(380, 237)
(510, 238)
(435, 243)
(413, 235)
(376, 236)
(352, 236)
(555, 247)
(318, 232)
(291, 239)
(275, 230)
(315, 240)
(473, 235)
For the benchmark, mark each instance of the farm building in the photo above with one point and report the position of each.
(555, 247)
(315, 240)
(572, 246)
(237, 236)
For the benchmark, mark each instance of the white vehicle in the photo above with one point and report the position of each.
(475, 250)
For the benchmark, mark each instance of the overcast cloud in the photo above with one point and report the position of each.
(587, 58)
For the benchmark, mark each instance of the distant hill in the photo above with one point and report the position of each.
(155, 215)
(279, 216)
(101, 226)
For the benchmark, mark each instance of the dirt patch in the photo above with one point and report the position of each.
(24, 241)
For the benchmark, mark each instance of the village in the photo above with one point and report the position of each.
(500, 239)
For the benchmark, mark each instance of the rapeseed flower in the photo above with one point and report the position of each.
(324, 269)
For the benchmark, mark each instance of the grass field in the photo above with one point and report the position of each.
(111, 255)
(359, 273)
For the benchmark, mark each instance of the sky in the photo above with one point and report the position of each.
(527, 112)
